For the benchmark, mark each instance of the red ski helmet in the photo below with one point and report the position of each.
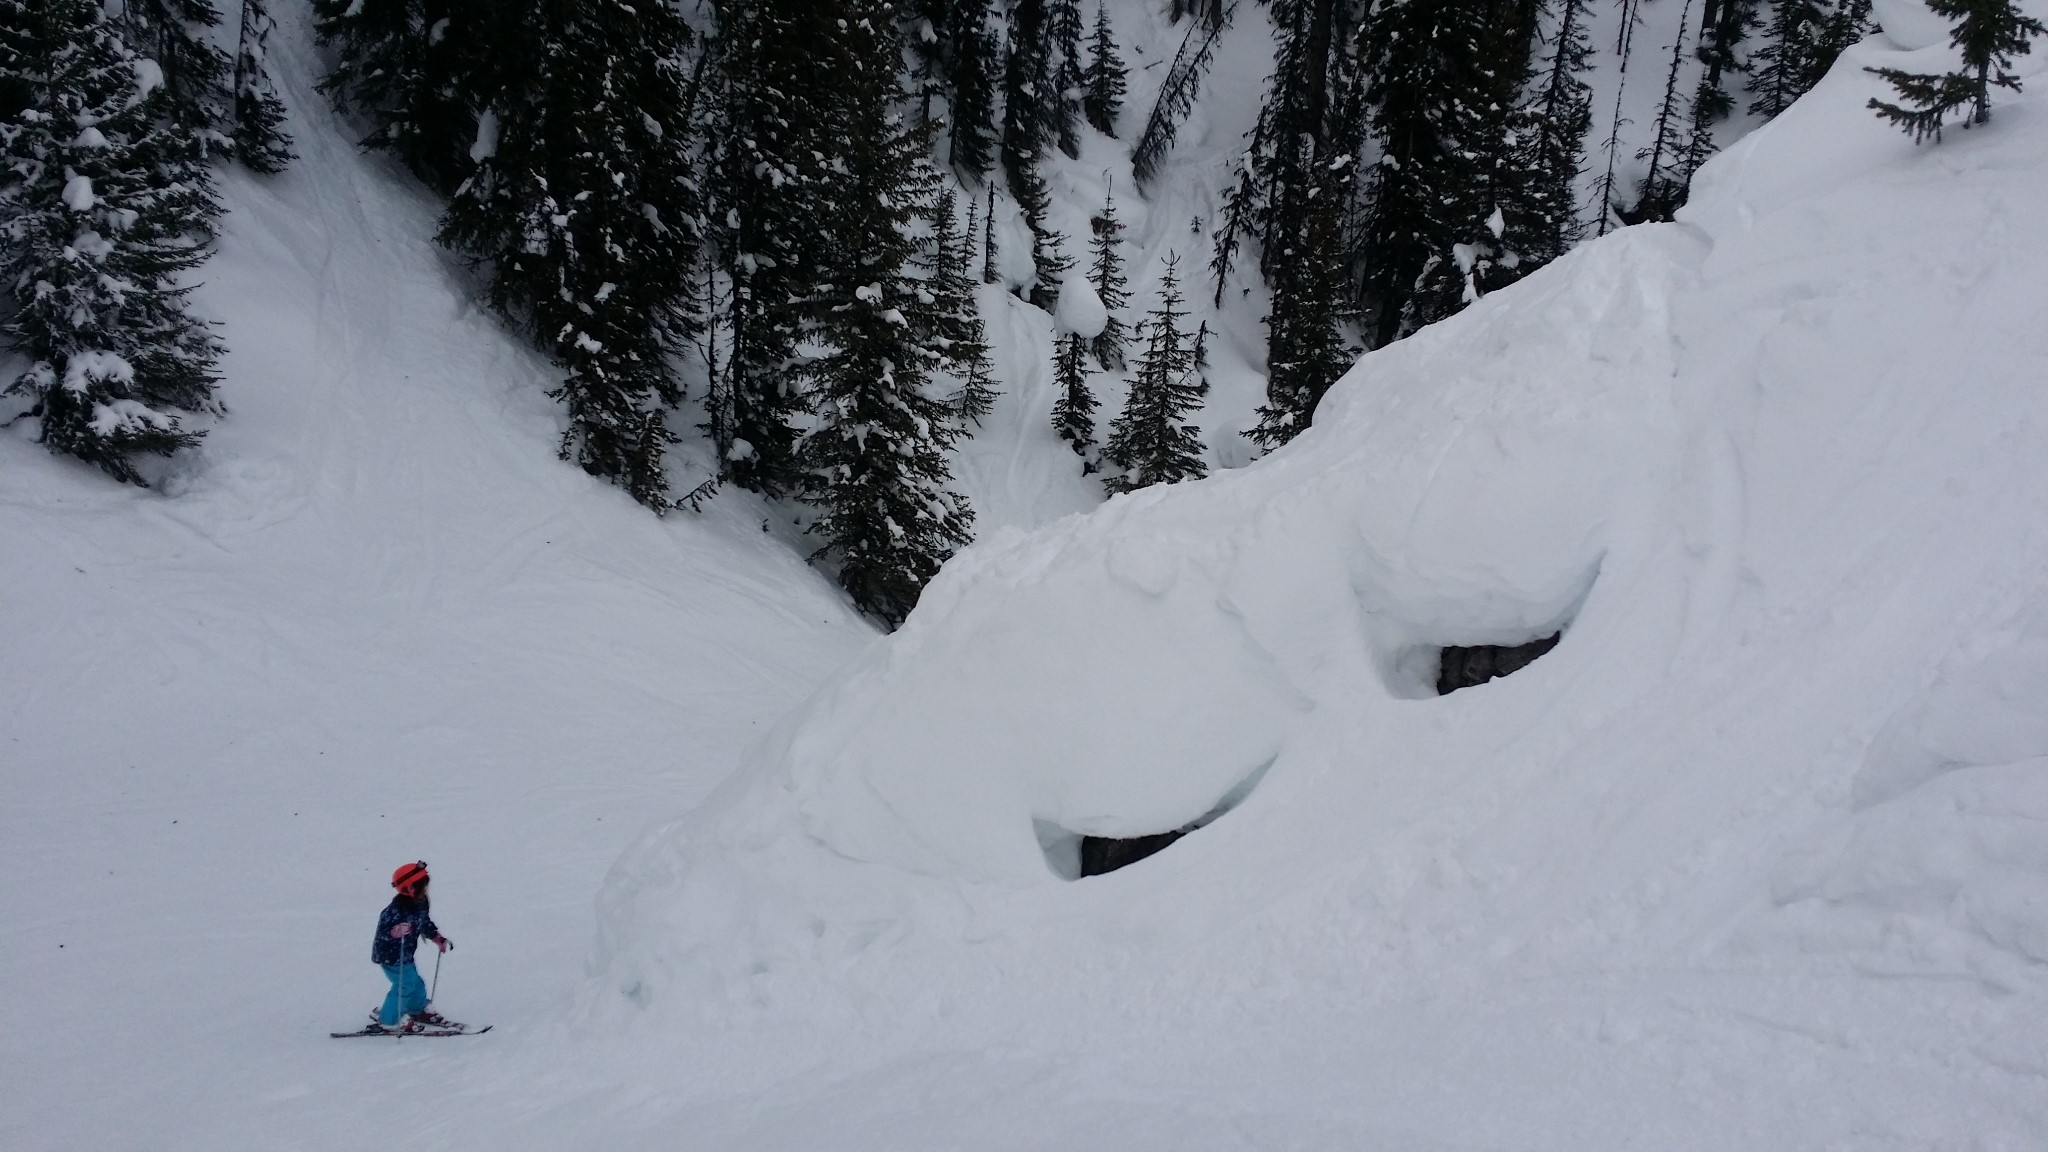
(410, 878)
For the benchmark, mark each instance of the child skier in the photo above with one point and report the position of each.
(399, 930)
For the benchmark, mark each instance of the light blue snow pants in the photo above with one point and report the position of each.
(408, 992)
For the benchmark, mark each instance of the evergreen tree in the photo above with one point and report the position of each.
(874, 463)
(1049, 260)
(1989, 33)
(1562, 116)
(1784, 66)
(414, 69)
(105, 199)
(260, 138)
(1178, 90)
(1030, 115)
(770, 180)
(973, 69)
(988, 239)
(1849, 23)
(1069, 76)
(1106, 272)
(583, 213)
(1293, 190)
(1027, 82)
(1073, 413)
(1104, 81)
(1150, 442)
(1305, 351)
(1663, 190)
(1724, 25)
(197, 74)
(1423, 63)
(1477, 214)
(1604, 189)
(955, 328)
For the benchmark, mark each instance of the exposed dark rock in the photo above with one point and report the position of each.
(1465, 667)
(1101, 854)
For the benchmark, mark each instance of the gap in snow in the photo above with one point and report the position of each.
(1468, 666)
(1076, 855)
(1427, 670)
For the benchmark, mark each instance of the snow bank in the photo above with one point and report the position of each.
(1778, 472)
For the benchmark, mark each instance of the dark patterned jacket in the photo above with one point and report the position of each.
(402, 910)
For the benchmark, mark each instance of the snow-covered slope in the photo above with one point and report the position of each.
(375, 620)
(1752, 859)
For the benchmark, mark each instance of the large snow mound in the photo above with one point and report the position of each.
(1778, 472)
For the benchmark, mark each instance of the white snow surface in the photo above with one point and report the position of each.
(1754, 859)
(1080, 311)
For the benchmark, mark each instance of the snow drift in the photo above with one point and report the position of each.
(1778, 472)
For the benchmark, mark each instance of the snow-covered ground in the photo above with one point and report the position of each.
(1754, 859)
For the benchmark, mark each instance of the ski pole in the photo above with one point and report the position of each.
(437, 977)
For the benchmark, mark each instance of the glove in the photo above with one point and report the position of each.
(444, 942)
(401, 930)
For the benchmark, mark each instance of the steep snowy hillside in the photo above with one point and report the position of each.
(1753, 858)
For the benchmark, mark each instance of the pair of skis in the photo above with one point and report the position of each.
(450, 1029)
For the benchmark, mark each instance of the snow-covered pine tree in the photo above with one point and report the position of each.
(1305, 125)
(988, 238)
(1292, 192)
(1049, 259)
(1027, 83)
(415, 70)
(1305, 350)
(1073, 412)
(1783, 65)
(874, 463)
(197, 75)
(1105, 79)
(1106, 272)
(584, 213)
(105, 198)
(1031, 110)
(1150, 442)
(1989, 33)
(260, 139)
(1562, 115)
(972, 47)
(1476, 210)
(769, 186)
(1847, 24)
(1177, 91)
(1606, 196)
(953, 318)
(1663, 190)
(1724, 25)
(1423, 67)
(1069, 77)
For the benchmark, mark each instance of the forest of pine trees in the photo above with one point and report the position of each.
(766, 226)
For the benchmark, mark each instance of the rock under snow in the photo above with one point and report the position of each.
(1080, 311)
(1910, 24)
